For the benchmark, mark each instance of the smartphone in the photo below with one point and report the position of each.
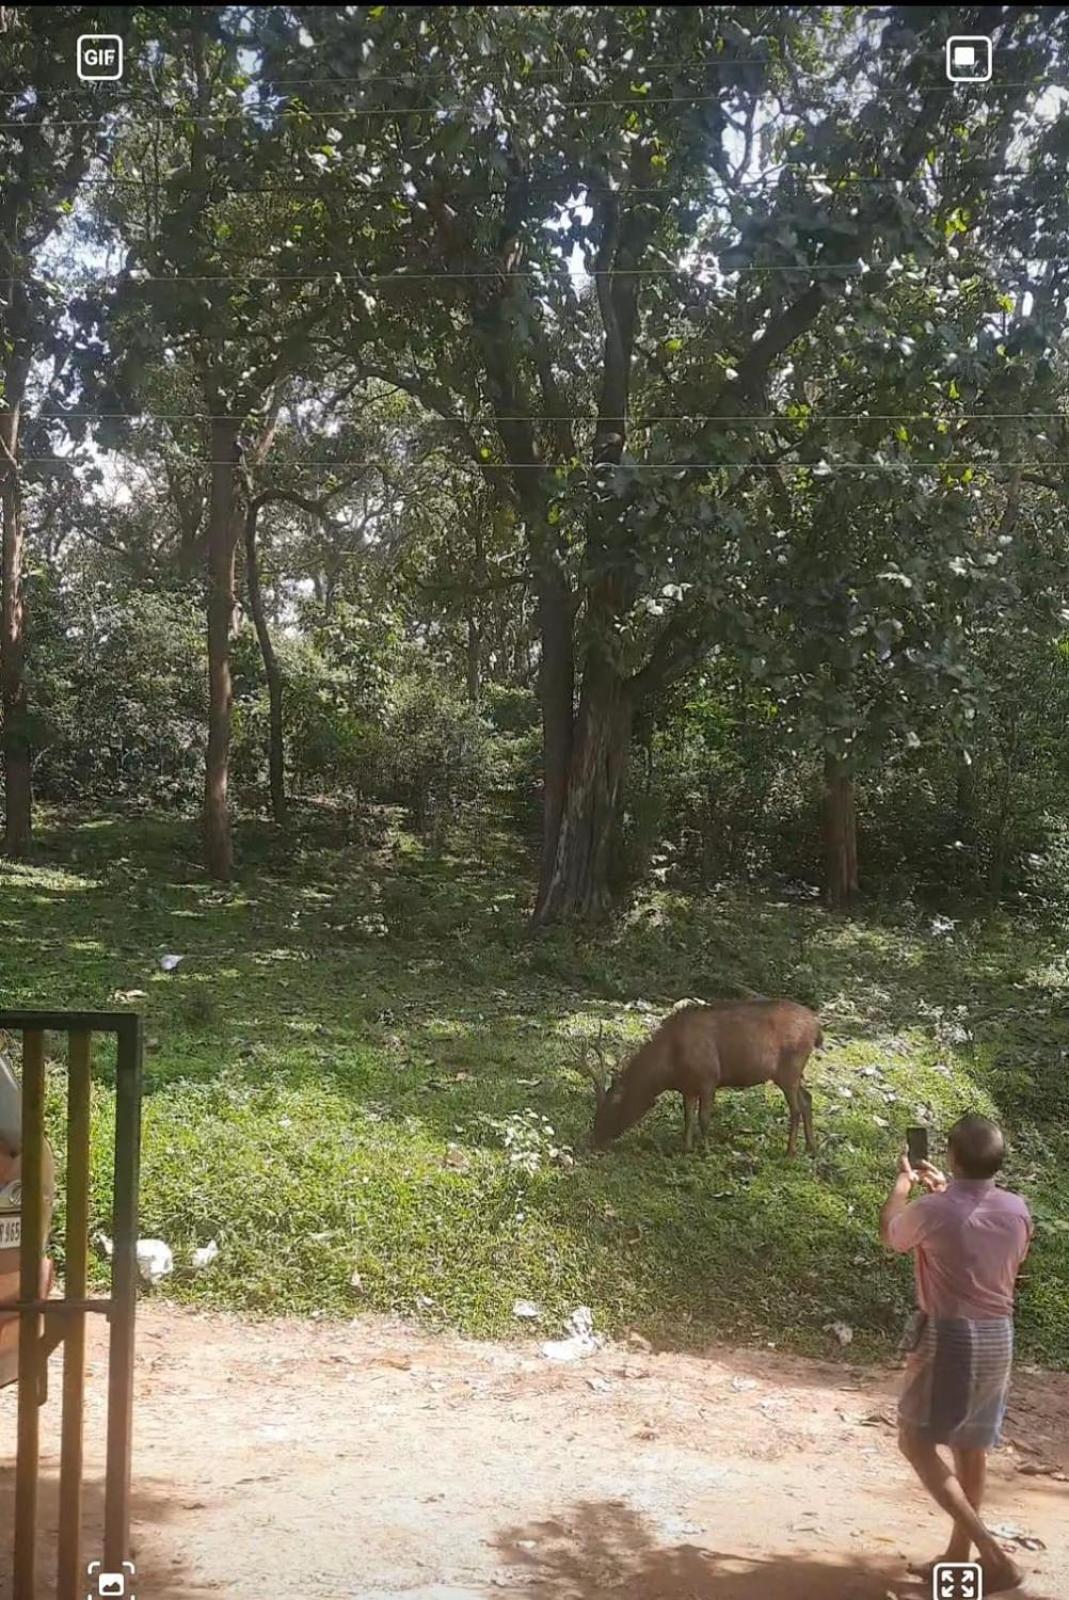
(917, 1144)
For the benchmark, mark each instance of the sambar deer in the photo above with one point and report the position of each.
(734, 1044)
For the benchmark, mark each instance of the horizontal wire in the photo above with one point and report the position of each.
(655, 466)
(558, 70)
(349, 113)
(563, 271)
(345, 113)
(983, 168)
(589, 416)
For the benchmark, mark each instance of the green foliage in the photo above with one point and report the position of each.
(332, 727)
(364, 1065)
(440, 759)
(514, 716)
(832, 524)
(726, 792)
(827, 298)
(119, 695)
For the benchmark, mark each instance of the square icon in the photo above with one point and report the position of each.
(969, 60)
(958, 1580)
(99, 57)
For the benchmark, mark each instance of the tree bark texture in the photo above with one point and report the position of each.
(577, 883)
(840, 834)
(18, 769)
(223, 525)
(276, 756)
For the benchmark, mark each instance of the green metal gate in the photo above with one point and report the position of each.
(44, 1324)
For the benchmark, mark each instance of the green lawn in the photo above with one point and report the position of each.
(362, 1067)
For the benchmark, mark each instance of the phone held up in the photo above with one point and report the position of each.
(917, 1145)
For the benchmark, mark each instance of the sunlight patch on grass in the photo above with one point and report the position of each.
(325, 1104)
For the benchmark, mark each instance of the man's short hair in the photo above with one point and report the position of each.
(978, 1146)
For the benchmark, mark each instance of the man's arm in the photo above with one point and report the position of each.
(896, 1203)
(904, 1223)
(1029, 1235)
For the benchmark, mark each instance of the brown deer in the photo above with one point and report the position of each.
(735, 1044)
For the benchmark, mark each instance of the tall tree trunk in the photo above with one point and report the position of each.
(473, 659)
(276, 756)
(222, 547)
(996, 873)
(475, 630)
(18, 788)
(556, 692)
(577, 885)
(965, 799)
(840, 834)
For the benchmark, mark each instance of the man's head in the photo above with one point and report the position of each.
(977, 1148)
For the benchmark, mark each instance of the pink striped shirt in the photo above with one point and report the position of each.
(969, 1243)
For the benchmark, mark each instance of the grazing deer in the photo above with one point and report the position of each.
(699, 1049)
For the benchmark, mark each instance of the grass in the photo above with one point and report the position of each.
(359, 1082)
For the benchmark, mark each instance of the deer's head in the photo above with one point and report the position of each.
(608, 1094)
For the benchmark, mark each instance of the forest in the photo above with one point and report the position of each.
(512, 517)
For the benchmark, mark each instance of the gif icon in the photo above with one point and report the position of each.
(99, 57)
(969, 58)
(958, 1580)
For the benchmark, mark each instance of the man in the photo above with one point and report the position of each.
(969, 1239)
(11, 1217)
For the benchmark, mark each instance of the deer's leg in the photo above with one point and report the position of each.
(689, 1107)
(705, 1112)
(807, 1118)
(794, 1100)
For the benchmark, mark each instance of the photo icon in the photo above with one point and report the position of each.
(969, 60)
(111, 1584)
(958, 1580)
(100, 57)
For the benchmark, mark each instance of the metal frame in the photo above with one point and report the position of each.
(43, 1324)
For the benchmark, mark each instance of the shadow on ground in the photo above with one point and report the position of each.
(603, 1548)
(151, 1507)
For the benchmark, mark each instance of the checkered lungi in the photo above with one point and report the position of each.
(957, 1382)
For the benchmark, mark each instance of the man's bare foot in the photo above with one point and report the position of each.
(924, 1569)
(1001, 1577)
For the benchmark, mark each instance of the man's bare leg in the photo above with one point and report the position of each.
(948, 1491)
(971, 1468)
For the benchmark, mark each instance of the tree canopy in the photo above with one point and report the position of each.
(660, 383)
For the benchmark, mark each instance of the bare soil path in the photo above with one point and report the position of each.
(366, 1461)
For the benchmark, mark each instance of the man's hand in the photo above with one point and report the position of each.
(898, 1199)
(931, 1177)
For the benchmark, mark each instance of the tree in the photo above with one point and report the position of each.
(49, 138)
(190, 315)
(723, 207)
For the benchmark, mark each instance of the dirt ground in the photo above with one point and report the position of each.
(367, 1460)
